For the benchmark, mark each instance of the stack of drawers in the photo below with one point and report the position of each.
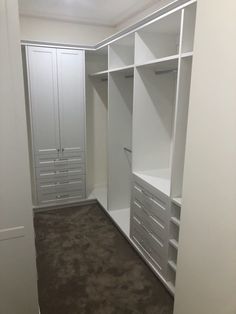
(60, 176)
(149, 223)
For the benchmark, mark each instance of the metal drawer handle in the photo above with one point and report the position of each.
(62, 196)
(157, 203)
(137, 205)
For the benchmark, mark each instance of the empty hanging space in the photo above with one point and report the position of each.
(97, 91)
(121, 53)
(158, 40)
(120, 146)
(153, 119)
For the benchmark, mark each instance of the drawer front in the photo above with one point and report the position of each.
(150, 247)
(156, 207)
(45, 175)
(55, 197)
(64, 186)
(61, 191)
(59, 162)
(156, 226)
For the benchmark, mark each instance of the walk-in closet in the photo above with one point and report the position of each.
(118, 171)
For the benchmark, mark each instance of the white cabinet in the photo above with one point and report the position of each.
(42, 66)
(57, 115)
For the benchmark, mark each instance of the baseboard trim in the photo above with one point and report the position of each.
(39, 209)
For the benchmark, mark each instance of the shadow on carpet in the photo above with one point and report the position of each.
(85, 266)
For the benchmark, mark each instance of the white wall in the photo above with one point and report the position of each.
(137, 17)
(18, 282)
(206, 277)
(55, 31)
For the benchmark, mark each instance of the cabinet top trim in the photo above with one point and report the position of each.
(166, 10)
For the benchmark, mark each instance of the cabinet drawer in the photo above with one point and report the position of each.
(156, 226)
(63, 186)
(155, 206)
(70, 153)
(55, 197)
(59, 162)
(49, 175)
(148, 245)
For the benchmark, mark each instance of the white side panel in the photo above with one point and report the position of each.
(42, 72)
(18, 279)
(206, 276)
(71, 99)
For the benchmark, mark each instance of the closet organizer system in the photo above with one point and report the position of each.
(135, 123)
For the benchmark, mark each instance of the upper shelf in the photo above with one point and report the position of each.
(162, 64)
(103, 75)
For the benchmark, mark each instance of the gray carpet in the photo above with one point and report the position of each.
(85, 266)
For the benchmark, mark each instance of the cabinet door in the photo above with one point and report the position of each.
(71, 100)
(42, 72)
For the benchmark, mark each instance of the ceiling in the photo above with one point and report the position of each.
(96, 12)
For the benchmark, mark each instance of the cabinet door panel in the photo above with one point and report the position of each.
(71, 100)
(42, 71)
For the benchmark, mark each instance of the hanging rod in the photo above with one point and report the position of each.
(127, 150)
(165, 71)
(104, 79)
(129, 76)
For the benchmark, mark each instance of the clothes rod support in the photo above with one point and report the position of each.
(165, 71)
(128, 150)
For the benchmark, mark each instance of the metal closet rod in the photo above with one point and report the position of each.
(166, 71)
(126, 76)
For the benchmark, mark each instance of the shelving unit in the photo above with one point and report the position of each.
(140, 133)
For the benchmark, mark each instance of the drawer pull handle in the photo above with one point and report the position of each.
(62, 196)
(63, 171)
(157, 203)
(137, 205)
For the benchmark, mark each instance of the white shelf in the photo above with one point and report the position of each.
(175, 221)
(162, 64)
(177, 201)
(126, 69)
(172, 265)
(101, 74)
(100, 193)
(174, 243)
(122, 219)
(187, 54)
(159, 179)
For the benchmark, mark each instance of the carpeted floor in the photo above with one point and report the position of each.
(85, 266)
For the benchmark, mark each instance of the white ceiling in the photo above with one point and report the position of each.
(97, 12)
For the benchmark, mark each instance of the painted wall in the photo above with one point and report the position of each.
(137, 17)
(206, 277)
(54, 31)
(18, 279)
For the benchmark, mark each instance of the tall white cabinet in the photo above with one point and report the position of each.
(57, 116)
